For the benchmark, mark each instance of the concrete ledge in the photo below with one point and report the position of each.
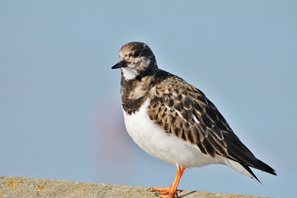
(14, 187)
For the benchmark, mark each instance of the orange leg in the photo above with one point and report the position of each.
(170, 192)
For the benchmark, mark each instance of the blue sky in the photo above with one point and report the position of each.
(60, 113)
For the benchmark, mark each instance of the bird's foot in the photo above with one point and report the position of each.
(166, 192)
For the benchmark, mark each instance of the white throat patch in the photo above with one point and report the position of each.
(128, 73)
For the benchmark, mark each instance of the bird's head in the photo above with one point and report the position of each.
(136, 59)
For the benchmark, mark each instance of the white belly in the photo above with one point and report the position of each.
(167, 147)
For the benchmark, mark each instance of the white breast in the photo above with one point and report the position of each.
(167, 147)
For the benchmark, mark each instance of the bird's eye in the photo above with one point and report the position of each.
(137, 53)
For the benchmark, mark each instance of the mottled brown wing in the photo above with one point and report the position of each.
(184, 111)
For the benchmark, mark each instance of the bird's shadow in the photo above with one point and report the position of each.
(184, 195)
(178, 191)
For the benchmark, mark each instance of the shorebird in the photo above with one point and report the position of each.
(174, 121)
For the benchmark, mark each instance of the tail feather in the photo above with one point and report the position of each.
(245, 168)
(260, 166)
(251, 172)
(264, 167)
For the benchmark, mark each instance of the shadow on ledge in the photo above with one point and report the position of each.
(14, 187)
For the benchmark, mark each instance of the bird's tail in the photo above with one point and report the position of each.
(264, 167)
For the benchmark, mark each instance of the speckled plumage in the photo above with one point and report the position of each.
(189, 121)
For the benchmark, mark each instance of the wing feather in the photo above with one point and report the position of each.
(184, 111)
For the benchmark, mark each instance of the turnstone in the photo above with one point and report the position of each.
(174, 121)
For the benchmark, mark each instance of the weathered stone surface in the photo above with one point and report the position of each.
(14, 187)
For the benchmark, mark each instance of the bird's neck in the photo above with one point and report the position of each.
(135, 92)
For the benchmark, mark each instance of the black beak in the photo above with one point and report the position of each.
(120, 64)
